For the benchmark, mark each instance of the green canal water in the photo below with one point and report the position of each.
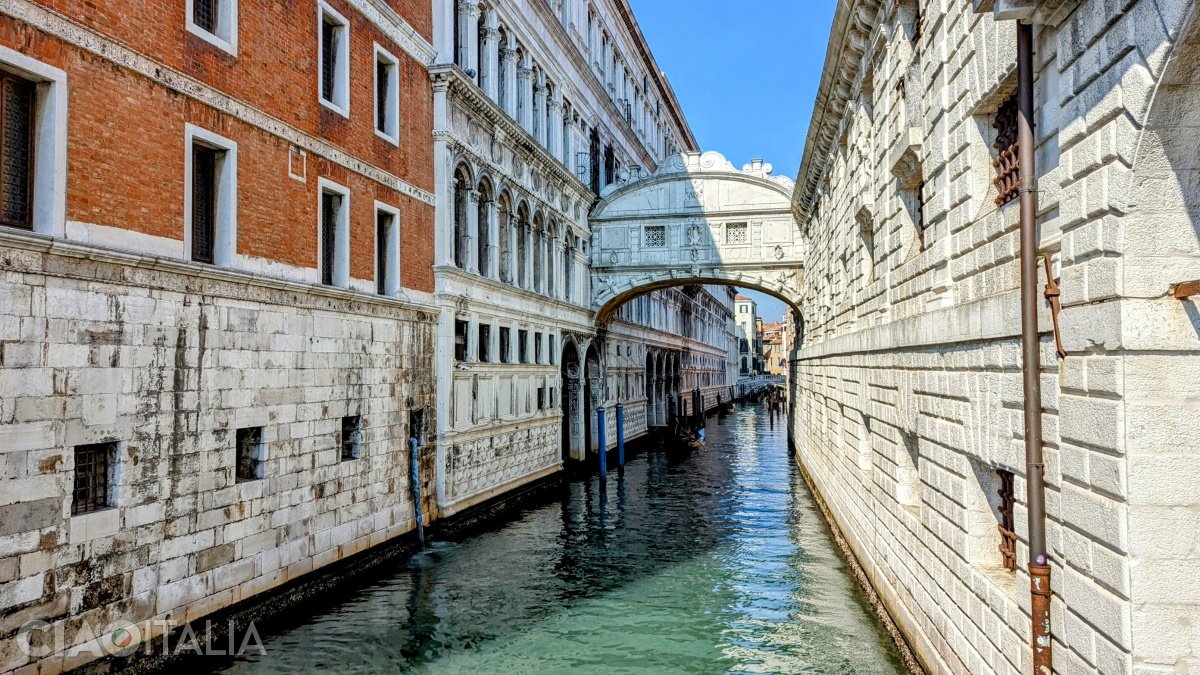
(714, 561)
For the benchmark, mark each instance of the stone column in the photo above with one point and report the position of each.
(508, 62)
(492, 269)
(470, 260)
(489, 63)
(470, 39)
(538, 119)
(524, 93)
(554, 126)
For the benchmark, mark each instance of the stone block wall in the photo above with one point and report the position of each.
(169, 362)
(907, 392)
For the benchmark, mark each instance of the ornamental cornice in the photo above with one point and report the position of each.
(854, 22)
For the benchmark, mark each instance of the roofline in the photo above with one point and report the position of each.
(659, 77)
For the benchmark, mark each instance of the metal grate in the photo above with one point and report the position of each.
(249, 454)
(204, 14)
(330, 205)
(382, 92)
(16, 153)
(1007, 166)
(1008, 538)
(91, 477)
(656, 236)
(330, 32)
(351, 437)
(204, 202)
(737, 233)
(383, 222)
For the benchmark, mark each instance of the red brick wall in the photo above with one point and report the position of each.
(126, 133)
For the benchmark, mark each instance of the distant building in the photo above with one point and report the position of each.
(774, 344)
(749, 341)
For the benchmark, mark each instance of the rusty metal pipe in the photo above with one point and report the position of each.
(1039, 570)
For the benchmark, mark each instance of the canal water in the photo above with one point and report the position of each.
(711, 561)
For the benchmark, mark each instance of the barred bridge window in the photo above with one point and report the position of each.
(1007, 166)
(16, 151)
(1008, 538)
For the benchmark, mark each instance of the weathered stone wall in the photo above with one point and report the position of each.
(907, 389)
(169, 360)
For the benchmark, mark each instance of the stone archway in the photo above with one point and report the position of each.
(571, 372)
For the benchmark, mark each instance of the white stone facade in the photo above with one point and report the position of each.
(907, 391)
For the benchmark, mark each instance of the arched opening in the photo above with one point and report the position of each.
(572, 405)
(539, 233)
(593, 395)
(504, 225)
(569, 266)
(522, 234)
(648, 388)
(484, 219)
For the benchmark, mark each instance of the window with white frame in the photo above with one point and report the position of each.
(215, 22)
(33, 144)
(387, 249)
(333, 41)
(387, 95)
(210, 196)
(333, 241)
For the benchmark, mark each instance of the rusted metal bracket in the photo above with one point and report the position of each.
(1186, 290)
(1052, 295)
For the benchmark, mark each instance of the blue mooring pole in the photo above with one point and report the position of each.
(620, 438)
(600, 429)
(414, 462)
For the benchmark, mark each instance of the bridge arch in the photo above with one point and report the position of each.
(696, 220)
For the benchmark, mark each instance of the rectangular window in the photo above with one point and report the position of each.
(94, 465)
(1008, 537)
(334, 244)
(537, 348)
(523, 346)
(334, 73)
(656, 236)
(351, 437)
(387, 95)
(17, 98)
(1008, 168)
(553, 351)
(505, 336)
(387, 250)
(215, 22)
(204, 202)
(251, 454)
(541, 398)
(485, 343)
(460, 341)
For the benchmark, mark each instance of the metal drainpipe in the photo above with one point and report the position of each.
(1039, 570)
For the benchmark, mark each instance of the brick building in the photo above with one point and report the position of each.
(216, 316)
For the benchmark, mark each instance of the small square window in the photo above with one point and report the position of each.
(523, 346)
(656, 236)
(460, 341)
(351, 437)
(387, 96)
(334, 74)
(251, 454)
(737, 233)
(95, 466)
(505, 347)
(485, 343)
(215, 22)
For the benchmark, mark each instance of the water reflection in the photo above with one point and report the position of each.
(716, 561)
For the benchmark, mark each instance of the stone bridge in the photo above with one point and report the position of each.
(696, 220)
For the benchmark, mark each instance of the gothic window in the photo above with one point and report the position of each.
(568, 265)
(485, 231)
(550, 263)
(1006, 162)
(461, 203)
(522, 247)
(656, 236)
(16, 151)
(505, 226)
(536, 251)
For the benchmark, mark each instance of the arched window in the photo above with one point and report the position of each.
(551, 262)
(539, 281)
(522, 246)
(485, 229)
(462, 185)
(569, 266)
(504, 224)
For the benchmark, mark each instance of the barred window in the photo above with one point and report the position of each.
(737, 233)
(1008, 538)
(17, 97)
(1006, 163)
(351, 437)
(251, 459)
(387, 99)
(334, 74)
(93, 470)
(656, 236)
(204, 202)
(331, 204)
(204, 14)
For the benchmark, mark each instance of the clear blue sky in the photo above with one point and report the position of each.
(746, 74)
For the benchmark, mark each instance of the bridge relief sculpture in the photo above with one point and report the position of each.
(695, 220)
